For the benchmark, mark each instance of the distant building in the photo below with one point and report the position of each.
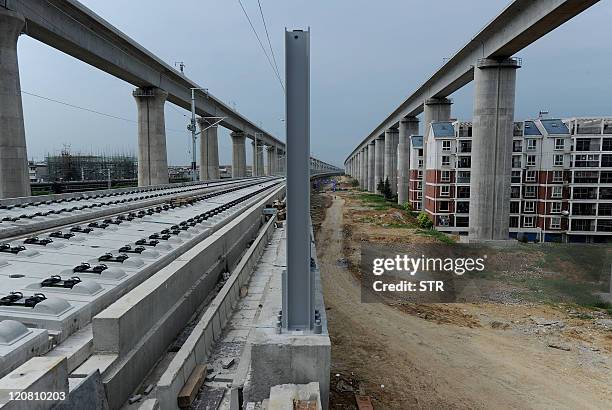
(561, 183)
(38, 171)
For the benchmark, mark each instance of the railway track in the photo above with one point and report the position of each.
(61, 263)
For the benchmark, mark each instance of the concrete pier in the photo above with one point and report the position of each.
(152, 154)
(494, 94)
(379, 155)
(358, 167)
(365, 168)
(390, 167)
(14, 179)
(272, 160)
(407, 127)
(238, 154)
(258, 159)
(371, 162)
(281, 158)
(209, 151)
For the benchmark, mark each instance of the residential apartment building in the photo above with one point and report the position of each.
(561, 183)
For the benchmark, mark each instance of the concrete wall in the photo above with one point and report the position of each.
(198, 345)
(141, 325)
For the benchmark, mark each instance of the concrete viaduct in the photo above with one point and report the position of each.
(487, 60)
(73, 29)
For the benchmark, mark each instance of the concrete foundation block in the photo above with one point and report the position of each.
(39, 374)
(87, 394)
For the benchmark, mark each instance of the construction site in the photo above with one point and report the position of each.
(74, 166)
(538, 336)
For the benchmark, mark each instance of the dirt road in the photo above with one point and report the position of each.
(406, 362)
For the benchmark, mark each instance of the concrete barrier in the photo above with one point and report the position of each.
(140, 326)
(198, 345)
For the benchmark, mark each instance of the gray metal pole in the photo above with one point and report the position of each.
(192, 128)
(298, 292)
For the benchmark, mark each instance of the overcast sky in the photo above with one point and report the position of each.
(366, 58)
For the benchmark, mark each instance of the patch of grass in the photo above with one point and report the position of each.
(554, 290)
(432, 233)
(400, 226)
(378, 202)
(589, 260)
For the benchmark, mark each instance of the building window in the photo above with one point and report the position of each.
(514, 222)
(443, 220)
(515, 192)
(557, 176)
(555, 207)
(463, 208)
(420, 165)
(528, 221)
(531, 160)
(531, 144)
(445, 176)
(559, 144)
(463, 177)
(445, 160)
(529, 207)
(464, 162)
(530, 176)
(444, 206)
(445, 190)
(516, 177)
(465, 146)
(517, 146)
(419, 185)
(515, 207)
(530, 192)
(557, 192)
(446, 145)
(419, 174)
(558, 160)
(417, 205)
(516, 161)
(555, 223)
(463, 191)
(586, 161)
(419, 195)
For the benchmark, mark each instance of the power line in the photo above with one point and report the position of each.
(262, 46)
(89, 110)
(268, 36)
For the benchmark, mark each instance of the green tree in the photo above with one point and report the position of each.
(386, 189)
(380, 186)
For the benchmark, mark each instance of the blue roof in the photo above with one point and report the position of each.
(531, 129)
(417, 141)
(555, 127)
(443, 129)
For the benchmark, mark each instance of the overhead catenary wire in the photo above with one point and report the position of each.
(268, 36)
(262, 46)
(116, 117)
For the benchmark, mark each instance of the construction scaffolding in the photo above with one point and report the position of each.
(68, 166)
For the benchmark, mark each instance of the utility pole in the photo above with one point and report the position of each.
(194, 134)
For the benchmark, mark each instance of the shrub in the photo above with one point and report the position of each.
(380, 186)
(407, 207)
(386, 190)
(423, 221)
